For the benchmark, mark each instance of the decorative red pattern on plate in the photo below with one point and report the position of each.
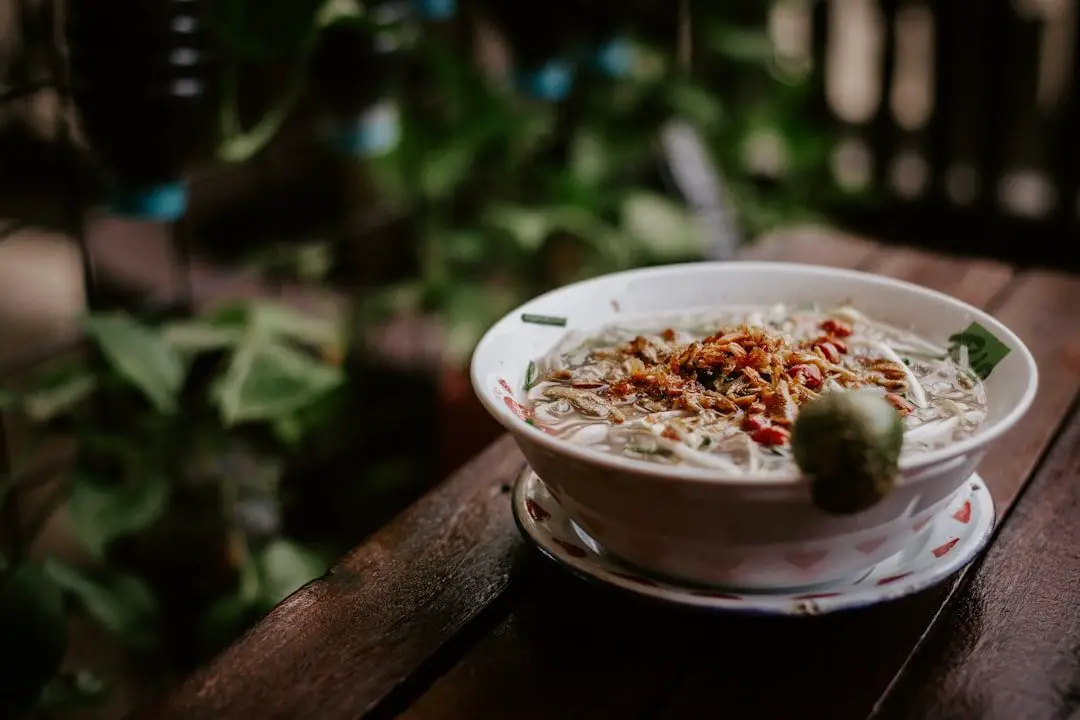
(870, 546)
(718, 595)
(921, 524)
(964, 513)
(571, 549)
(946, 547)
(536, 512)
(817, 596)
(892, 578)
(515, 407)
(806, 560)
(505, 385)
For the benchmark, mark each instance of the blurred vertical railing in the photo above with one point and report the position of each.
(960, 119)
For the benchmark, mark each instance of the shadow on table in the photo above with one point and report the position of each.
(688, 663)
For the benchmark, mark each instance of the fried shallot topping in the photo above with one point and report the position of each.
(740, 371)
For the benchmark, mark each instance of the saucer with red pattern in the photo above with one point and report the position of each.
(954, 540)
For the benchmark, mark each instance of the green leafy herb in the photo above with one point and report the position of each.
(530, 376)
(984, 350)
(543, 319)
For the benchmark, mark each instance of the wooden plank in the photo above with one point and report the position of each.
(1007, 649)
(811, 245)
(974, 281)
(343, 643)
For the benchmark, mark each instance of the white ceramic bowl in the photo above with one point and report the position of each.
(704, 526)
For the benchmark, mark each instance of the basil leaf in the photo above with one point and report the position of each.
(984, 350)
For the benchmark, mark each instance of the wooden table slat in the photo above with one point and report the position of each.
(812, 245)
(1008, 648)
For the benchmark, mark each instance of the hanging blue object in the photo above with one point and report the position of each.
(435, 9)
(552, 81)
(165, 202)
(615, 58)
(139, 76)
(375, 132)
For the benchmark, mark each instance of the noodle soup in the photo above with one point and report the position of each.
(722, 391)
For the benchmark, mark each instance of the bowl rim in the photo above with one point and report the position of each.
(693, 474)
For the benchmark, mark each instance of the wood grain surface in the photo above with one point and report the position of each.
(423, 621)
(1007, 648)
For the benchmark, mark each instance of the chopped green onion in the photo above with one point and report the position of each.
(544, 319)
(530, 376)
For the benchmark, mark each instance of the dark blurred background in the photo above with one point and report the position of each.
(247, 248)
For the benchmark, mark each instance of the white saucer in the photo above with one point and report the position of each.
(954, 540)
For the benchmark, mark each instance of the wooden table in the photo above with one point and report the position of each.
(447, 613)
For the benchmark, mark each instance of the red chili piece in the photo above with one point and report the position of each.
(808, 375)
(836, 327)
(829, 351)
(753, 423)
(770, 436)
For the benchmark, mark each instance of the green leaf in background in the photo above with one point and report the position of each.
(465, 247)
(528, 227)
(197, 336)
(58, 394)
(259, 31)
(661, 226)
(33, 636)
(141, 356)
(740, 44)
(468, 311)
(101, 512)
(698, 106)
(589, 158)
(73, 691)
(285, 566)
(266, 381)
(443, 171)
(278, 322)
(121, 604)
